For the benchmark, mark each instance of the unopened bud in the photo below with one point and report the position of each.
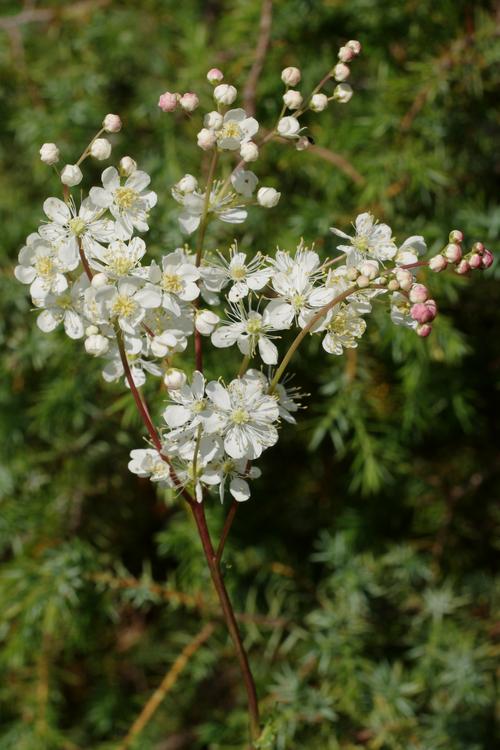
(456, 236)
(91, 330)
(487, 259)
(475, 261)
(354, 45)
(478, 247)
(319, 102)
(96, 344)
(205, 321)
(225, 94)
(463, 267)
(341, 71)
(249, 151)
(438, 263)
(215, 75)
(206, 139)
(168, 101)
(100, 149)
(418, 293)
(405, 278)
(290, 76)
(424, 330)
(393, 285)
(268, 197)
(303, 143)
(363, 281)
(49, 153)
(71, 175)
(369, 268)
(174, 379)
(213, 120)
(352, 273)
(346, 54)
(127, 166)
(189, 102)
(343, 93)
(112, 123)
(453, 252)
(187, 184)
(292, 99)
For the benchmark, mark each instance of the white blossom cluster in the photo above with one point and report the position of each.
(86, 268)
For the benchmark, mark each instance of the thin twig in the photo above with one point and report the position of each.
(225, 531)
(166, 685)
(250, 90)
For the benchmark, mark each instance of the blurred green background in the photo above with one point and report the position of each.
(364, 562)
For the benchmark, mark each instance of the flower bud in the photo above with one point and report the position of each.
(487, 259)
(174, 379)
(354, 45)
(96, 345)
(363, 281)
(215, 75)
(290, 76)
(91, 330)
(405, 278)
(288, 127)
(187, 184)
(346, 54)
(206, 139)
(268, 197)
(432, 306)
(213, 120)
(424, 330)
(99, 280)
(49, 153)
(168, 101)
(341, 72)
(352, 273)
(342, 93)
(369, 268)
(292, 99)
(71, 175)
(101, 149)
(393, 285)
(205, 322)
(189, 102)
(127, 166)
(302, 143)
(456, 236)
(249, 151)
(319, 102)
(225, 94)
(422, 313)
(478, 247)
(453, 252)
(112, 123)
(475, 261)
(418, 293)
(438, 263)
(463, 267)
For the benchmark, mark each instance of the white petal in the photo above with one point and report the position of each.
(268, 351)
(25, 274)
(100, 197)
(219, 395)
(198, 384)
(73, 325)
(57, 210)
(237, 444)
(240, 490)
(226, 335)
(279, 314)
(110, 179)
(176, 415)
(47, 321)
(149, 297)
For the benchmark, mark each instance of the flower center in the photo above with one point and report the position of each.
(240, 416)
(45, 267)
(298, 300)
(198, 406)
(228, 466)
(64, 301)
(238, 273)
(77, 226)
(171, 282)
(361, 243)
(120, 264)
(339, 323)
(124, 306)
(230, 129)
(254, 325)
(125, 197)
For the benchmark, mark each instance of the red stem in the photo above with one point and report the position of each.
(225, 531)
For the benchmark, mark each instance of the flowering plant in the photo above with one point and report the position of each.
(85, 267)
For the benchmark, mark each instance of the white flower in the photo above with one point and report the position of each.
(225, 94)
(119, 258)
(71, 175)
(64, 308)
(268, 197)
(112, 123)
(41, 267)
(226, 207)
(400, 311)
(372, 240)
(244, 416)
(343, 93)
(205, 321)
(249, 330)
(138, 367)
(319, 102)
(127, 302)
(290, 76)
(293, 99)
(129, 203)
(237, 471)
(410, 251)
(177, 280)
(249, 151)
(289, 127)
(190, 407)
(245, 275)
(343, 325)
(49, 153)
(147, 462)
(100, 149)
(236, 129)
(67, 227)
(244, 182)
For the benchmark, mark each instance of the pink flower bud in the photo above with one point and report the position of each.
(475, 261)
(168, 102)
(424, 330)
(487, 259)
(463, 267)
(215, 75)
(432, 307)
(456, 236)
(189, 102)
(346, 54)
(303, 143)
(112, 123)
(438, 263)
(354, 45)
(478, 247)
(453, 252)
(421, 313)
(418, 293)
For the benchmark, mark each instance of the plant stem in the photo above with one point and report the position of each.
(206, 204)
(225, 531)
(227, 609)
(301, 336)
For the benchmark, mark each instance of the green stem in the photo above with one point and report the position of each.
(206, 204)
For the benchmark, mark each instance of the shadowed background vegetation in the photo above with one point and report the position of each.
(364, 562)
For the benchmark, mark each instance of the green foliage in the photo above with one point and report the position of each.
(363, 565)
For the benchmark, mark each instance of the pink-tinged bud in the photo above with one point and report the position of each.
(438, 263)
(168, 102)
(354, 45)
(290, 76)
(112, 123)
(189, 102)
(475, 261)
(303, 143)
(346, 54)
(487, 259)
(432, 306)
(456, 236)
(341, 72)
(424, 330)
(405, 278)
(478, 247)
(421, 313)
(463, 267)
(418, 293)
(393, 285)
(453, 252)
(215, 75)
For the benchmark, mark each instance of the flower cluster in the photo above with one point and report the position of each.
(86, 267)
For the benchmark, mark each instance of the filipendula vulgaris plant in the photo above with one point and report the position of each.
(86, 269)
